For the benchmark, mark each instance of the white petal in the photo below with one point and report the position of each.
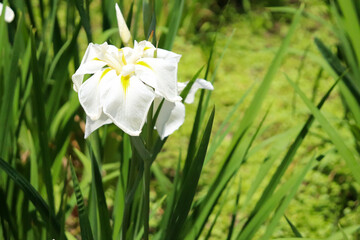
(93, 125)
(181, 86)
(164, 54)
(9, 13)
(144, 44)
(128, 110)
(171, 117)
(198, 84)
(89, 96)
(123, 29)
(159, 74)
(89, 67)
(88, 64)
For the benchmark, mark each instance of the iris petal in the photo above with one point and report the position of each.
(198, 84)
(89, 96)
(160, 75)
(128, 110)
(171, 117)
(90, 63)
(9, 13)
(92, 125)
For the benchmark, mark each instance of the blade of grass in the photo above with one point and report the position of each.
(348, 230)
(33, 196)
(344, 151)
(149, 18)
(188, 186)
(287, 189)
(85, 21)
(335, 63)
(85, 227)
(42, 127)
(223, 130)
(10, 82)
(231, 164)
(105, 229)
(351, 17)
(6, 216)
(173, 23)
(235, 212)
(284, 204)
(218, 63)
(288, 157)
(293, 228)
(208, 235)
(171, 200)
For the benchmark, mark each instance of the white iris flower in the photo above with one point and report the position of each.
(9, 13)
(125, 82)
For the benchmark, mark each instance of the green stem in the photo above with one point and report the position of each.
(147, 165)
(128, 200)
(150, 127)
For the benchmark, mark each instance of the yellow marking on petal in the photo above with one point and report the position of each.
(122, 56)
(96, 59)
(125, 81)
(142, 63)
(104, 72)
(146, 48)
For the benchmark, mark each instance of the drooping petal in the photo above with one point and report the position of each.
(89, 96)
(91, 125)
(123, 29)
(171, 117)
(198, 84)
(126, 101)
(90, 63)
(9, 13)
(159, 74)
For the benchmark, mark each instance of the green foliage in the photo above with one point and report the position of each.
(116, 193)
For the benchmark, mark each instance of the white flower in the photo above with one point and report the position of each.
(9, 13)
(124, 83)
(172, 114)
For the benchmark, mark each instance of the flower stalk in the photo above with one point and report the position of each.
(147, 165)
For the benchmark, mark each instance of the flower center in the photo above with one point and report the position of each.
(128, 69)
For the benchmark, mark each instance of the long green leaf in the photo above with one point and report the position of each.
(188, 187)
(335, 63)
(85, 227)
(10, 82)
(105, 229)
(289, 156)
(173, 23)
(231, 162)
(42, 131)
(287, 189)
(344, 151)
(293, 228)
(351, 24)
(85, 21)
(33, 196)
(284, 204)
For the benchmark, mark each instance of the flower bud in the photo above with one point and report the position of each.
(123, 29)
